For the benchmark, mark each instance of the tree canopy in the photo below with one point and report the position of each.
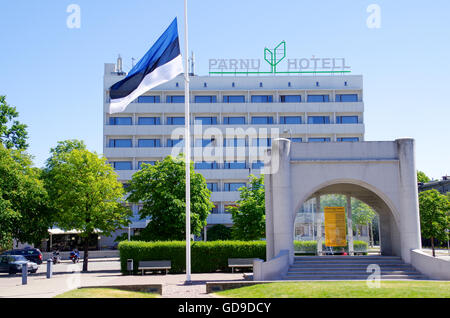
(161, 190)
(24, 209)
(13, 134)
(84, 192)
(422, 177)
(434, 216)
(249, 214)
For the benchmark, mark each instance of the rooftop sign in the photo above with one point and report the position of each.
(273, 58)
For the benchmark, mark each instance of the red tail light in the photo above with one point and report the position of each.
(40, 257)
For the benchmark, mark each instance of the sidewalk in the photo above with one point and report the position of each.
(68, 276)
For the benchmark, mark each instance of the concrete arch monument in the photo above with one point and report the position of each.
(379, 173)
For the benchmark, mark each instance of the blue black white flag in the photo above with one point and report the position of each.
(160, 64)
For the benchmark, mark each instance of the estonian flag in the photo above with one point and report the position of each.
(160, 64)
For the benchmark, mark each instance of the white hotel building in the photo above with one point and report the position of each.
(302, 108)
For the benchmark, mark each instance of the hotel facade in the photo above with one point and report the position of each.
(314, 108)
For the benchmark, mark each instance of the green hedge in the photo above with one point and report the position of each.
(310, 247)
(206, 257)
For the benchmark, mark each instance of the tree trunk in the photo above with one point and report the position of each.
(432, 246)
(86, 251)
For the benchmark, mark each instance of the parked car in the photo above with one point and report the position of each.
(12, 264)
(31, 254)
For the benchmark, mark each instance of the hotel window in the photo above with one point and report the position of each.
(318, 98)
(207, 120)
(290, 120)
(261, 142)
(262, 98)
(257, 165)
(175, 120)
(233, 186)
(149, 121)
(148, 99)
(175, 99)
(234, 142)
(146, 162)
(235, 165)
(346, 119)
(120, 121)
(296, 139)
(262, 120)
(206, 165)
(234, 99)
(122, 165)
(175, 142)
(149, 143)
(319, 139)
(346, 98)
(205, 99)
(234, 120)
(212, 186)
(204, 142)
(290, 98)
(120, 143)
(215, 210)
(318, 120)
(351, 139)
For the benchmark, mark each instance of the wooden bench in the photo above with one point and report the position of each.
(154, 266)
(240, 262)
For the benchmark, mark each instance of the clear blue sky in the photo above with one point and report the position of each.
(53, 74)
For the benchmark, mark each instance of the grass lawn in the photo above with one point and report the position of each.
(342, 289)
(105, 293)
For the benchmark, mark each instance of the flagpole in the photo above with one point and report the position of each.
(187, 145)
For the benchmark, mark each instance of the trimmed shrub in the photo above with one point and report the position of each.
(206, 257)
(310, 247)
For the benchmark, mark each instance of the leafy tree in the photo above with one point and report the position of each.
(162, 191)
(219, 232)
(24, 210)
(434, 216)
(63, 147)
(13, 134)
(249, 214)
(362, 214)
(422, 177)
(85, 193)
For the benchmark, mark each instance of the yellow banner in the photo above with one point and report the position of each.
(335, 229)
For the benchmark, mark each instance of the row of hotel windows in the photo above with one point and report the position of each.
(128, 165)
(227, 142)
(238, 120)
(342, 98)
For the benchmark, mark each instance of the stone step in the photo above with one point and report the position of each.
(350, 272)
(353, 277)
(350, 265)
(345, 257)
(345, 267)
(353, 270)
(318, 264)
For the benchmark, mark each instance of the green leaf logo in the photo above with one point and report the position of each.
(275, 56)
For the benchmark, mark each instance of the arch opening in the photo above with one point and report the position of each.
(389, 234)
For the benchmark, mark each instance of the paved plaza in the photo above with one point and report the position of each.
(104, 272)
